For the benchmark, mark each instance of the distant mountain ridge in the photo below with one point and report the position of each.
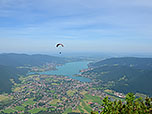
(12, 59)
(130, 74)
(141, 63)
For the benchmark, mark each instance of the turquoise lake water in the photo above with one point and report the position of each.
(70, 69)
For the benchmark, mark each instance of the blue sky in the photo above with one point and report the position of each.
(35, 26)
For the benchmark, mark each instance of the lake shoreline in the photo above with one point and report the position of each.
(71, 70)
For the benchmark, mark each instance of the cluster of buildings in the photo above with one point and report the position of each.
(53, 93)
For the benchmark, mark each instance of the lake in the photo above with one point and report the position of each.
(69, 69)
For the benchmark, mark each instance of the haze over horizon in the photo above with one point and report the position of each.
(111, 26)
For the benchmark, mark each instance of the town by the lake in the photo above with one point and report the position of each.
(55, 93)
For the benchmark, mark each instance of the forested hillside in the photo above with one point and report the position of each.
(7, 73)
(127, 74)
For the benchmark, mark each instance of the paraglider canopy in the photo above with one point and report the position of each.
(57, 45)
